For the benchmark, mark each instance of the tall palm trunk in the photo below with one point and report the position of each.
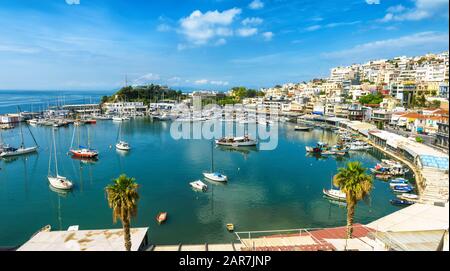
(350, 215)
(126, 230)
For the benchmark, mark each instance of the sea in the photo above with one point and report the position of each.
(267, 189)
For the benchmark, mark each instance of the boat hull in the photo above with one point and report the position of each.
(82, 154)
(20, 151)
(60, 183)
(215, 177)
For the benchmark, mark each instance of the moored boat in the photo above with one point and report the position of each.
(230, 227)
(401, 202)
(335, 194)
(123, 146)
(199, 185)
(303, 128)
(161, 217)
(241, 141)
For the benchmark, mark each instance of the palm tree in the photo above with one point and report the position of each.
(122, 198)
(356, 184)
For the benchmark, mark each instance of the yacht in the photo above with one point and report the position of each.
(240, 141)
(334, 194)
(123, 146)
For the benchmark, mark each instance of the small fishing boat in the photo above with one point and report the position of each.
(402, 189)
(199, 185)
(408, 196)
(320, 147)
(303, 128)
(334, 194)
(328, 152)
(398, 184)
(401, 202)
(215, 176)
(399, 180)
(117, 118)
(230, 227)
(161, 217)
(384, 177)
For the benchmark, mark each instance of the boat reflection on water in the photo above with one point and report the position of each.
(318, 156)
(60, 192)
(244, 150)
(336, 202)
(85, 160)
(122, 152)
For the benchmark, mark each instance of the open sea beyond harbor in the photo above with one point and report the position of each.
(267, 190)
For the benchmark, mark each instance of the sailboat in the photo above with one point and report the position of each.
(333, 193)
(121, 144)
(212, 175)
(82, 152)
(57, 181)
(10, 151)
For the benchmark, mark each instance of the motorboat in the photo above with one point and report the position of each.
(303, 128)
(335, 194)
(408, 196)
(230, 227)
(358, 146)
(123, 146)
(215, 176)
(199, 185)
(401, 202)
(399, 181)
(117, 118)
(237, 141)
(320, 147)
(161, 217)
(402, 189)
(398, 184)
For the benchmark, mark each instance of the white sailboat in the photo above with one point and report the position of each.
(336, 194)
(57, 181)
(213, 175)
(22, 149)
(121, 144)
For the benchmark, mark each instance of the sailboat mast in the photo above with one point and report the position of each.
(20, 126)
(54, 147)
(212, 157)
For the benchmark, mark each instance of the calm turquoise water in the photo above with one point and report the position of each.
(267, 190)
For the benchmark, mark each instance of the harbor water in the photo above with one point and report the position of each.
(267, 190)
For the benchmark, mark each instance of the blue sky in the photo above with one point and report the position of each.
(205, 44)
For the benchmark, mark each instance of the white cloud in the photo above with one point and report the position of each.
(199, 28)
(256, 4)
(247, 31)
(163, 28)
(396, 9)
(220, 42)
(252, 21)
(219, 83)
(373, 2)
(73, 2)
(423, 9)
(201, 82)
(146, 78)
(268, 35)
(313, 27)
(18, 49)
(330, 25)
(395, 45)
